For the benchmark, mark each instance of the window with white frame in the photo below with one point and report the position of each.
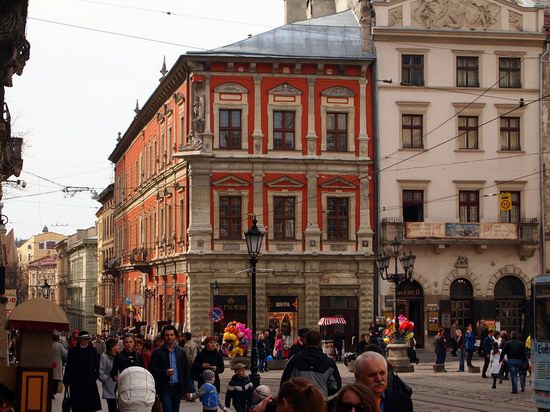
(230, 110)
(337, 120)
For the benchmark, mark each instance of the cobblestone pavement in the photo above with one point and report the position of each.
(442, 392)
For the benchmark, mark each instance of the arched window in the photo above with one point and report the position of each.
(509, 303)
(462, 295)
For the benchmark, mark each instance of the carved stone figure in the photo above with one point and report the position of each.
(396, 16)
(198, 108)
(194, 143)
(484, 18)
(456, 14)
(462, 262)
(516, 21)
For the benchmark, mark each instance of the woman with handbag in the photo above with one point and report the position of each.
(105, 367)
(59, 356)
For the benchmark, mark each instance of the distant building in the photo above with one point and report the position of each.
(77, 278)
(42, 272)
(38, 246)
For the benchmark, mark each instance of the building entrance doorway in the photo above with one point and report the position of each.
(410, 303)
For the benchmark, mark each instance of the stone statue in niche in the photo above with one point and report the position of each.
(456, 14)
(198, 108)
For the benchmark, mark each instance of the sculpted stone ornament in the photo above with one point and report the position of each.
(515, 20)
(396, 16)
(14, 47)
(198, 108)
(457, 14)
(462, 262)
(194, 143)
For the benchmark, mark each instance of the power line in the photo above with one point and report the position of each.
(117, 34)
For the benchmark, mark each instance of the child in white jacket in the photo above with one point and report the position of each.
(495, 364)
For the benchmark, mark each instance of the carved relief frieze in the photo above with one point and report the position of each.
(396, 16)
(231, 88)
(285, 89)
(338, 91)
(516, 21)
(456, 14)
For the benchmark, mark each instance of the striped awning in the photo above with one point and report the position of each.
(331, 320)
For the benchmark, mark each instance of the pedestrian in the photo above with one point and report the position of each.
(503, 339)
(440, 343)
(261, 346)
(171, 371)
(208, 358)
(99, 345)
(279, 346)
(271, 337)
(522, 371)
(371, 369)
(482, 332)
(487, 345)
(338, 344)
(411, 351)
(260, 393)
(469, 345)
(496, 364)
(357, 397)
(59, 357)
(208, 394)
(514, 350)
(105, 367)
(191, 348)
(81, 374)
(145, 353)
(296, 395)
(311, 363)
(300, 342)
(360, 347)
(454, 327)
(126, 358)
(394, 381)
(239, 390)
(460, 351)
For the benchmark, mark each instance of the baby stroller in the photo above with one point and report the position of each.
(136, 390)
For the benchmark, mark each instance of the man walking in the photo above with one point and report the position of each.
(171, 371)
(311, 363)
(440, 342)
(487, 345)
(454, 327)
(81, 373)
(515, 351)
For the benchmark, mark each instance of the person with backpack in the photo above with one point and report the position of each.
(208, 393)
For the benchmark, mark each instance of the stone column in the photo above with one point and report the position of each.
(174, 298)
(259, 200)
(365, 233)
(200, 229)
(164, 295)
(312, 234)
(311, 136)
(363, 139)
(155, 305)
(200, 298)
(257, 135)
(207, 136)
(312, 293)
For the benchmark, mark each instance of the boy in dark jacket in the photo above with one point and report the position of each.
(239, 390)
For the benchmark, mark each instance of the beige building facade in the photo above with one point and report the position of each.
(459, 141)
(38, 246)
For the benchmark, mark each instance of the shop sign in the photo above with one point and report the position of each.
(409, 293)
(490, 231)
(231, 303)
(283, 304)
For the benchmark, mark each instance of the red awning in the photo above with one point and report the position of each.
(331, 320)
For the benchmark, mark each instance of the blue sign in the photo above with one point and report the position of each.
(215, 314)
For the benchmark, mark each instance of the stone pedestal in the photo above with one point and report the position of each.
(397, 356)
(474, 369)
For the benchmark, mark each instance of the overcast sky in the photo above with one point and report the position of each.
(80, 86)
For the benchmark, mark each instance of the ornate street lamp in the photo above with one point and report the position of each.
(254, 238)
(397, 278)
(215, 288)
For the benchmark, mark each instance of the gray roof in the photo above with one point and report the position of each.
(334, 37)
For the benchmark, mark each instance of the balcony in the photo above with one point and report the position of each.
(445, 234)
(139, 260)
(99, 310)
(112, 267)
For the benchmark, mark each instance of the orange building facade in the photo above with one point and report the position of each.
(252, 129)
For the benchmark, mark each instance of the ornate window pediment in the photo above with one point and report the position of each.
(231, 88)
(338, 183)
(163, 113)
(285, 182)
(230, 181)
(285, 89)
(338, 91)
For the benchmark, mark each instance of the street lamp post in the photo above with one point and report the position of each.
(397, 278)
(254, 238)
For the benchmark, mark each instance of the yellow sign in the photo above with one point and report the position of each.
(505, 201)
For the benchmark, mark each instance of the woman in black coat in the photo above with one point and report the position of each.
(208, 358)
(81, 374)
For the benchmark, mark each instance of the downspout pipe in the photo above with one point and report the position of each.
(377, 220)
(542, 170)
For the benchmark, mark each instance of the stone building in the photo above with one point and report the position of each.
(275, 126)
(38, 246)
(77, 274)
(42, 272)
(459, 117)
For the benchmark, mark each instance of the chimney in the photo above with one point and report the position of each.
(295, 10)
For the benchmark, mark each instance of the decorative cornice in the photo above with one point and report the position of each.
(338, 91)
(285, 89)
(231, 88)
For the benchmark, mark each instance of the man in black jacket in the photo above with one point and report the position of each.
(300, 342)
(516, 354)
(371, 369)
(171, 371)
(312, 364)
(487, 345)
